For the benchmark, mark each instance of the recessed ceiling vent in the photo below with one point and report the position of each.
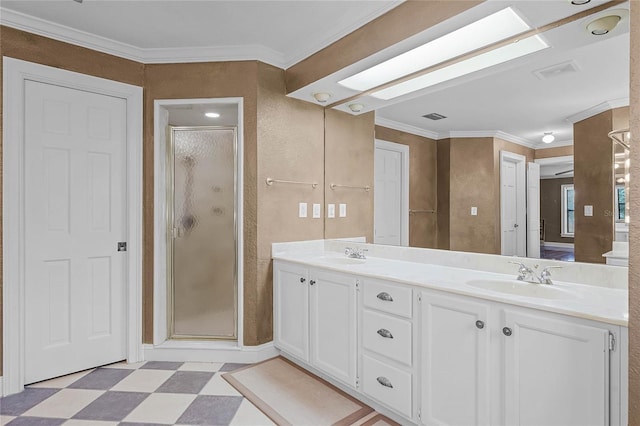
(557, 70)
(434, 116)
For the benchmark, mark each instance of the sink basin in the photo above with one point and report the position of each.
(343, 260)
(520, 288)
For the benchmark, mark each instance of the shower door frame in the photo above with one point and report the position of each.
(171, 233)
(161, 336)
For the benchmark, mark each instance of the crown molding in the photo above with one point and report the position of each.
(555, 144)
(302, 54)
(70, 35)
(597, 109)
(490, 134)
(407, 128)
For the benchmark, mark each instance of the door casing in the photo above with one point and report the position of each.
(16, 72)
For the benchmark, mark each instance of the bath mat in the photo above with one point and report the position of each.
(289, 395)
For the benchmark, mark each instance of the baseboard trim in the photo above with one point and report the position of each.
(198, 352)
(559, 246)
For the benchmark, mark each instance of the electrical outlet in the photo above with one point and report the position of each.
(474, 211)
(343, 210)
(316, 211)
(588, 210)
(302, 210)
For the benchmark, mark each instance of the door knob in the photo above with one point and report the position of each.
(302, 280)
(480, 324)
(312, 282)
(516, 225)
(507, 331)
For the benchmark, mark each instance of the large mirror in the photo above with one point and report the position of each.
(500, 188)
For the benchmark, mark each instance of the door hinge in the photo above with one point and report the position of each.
(357, 382)
(419, 414)
(612, 342)
(357, 283)
(419, 297)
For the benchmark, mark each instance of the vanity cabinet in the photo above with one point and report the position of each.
(315, 319)
(491, 363)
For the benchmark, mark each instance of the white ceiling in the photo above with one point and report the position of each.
(507, 100)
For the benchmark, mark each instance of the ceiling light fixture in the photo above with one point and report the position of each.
(477, 63)
(604, 25)
(548, 137)
(579, 2)
(212, 114)
(488, 30)
(322, 96)
(356, 107)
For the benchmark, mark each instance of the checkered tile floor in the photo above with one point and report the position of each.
(150, 393)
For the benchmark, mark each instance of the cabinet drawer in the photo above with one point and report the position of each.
(389, 385)
(387, 336)
(388, 298)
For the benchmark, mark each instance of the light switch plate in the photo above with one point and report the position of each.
(302, 210)
(331, 211)
(588, 210)
(316, 211)
(474, 211)
(343, 210)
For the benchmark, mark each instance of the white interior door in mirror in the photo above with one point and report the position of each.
(513, 204)
(533, 210)
(391, 196)
(75, 203)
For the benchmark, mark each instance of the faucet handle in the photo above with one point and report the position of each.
(545, 275)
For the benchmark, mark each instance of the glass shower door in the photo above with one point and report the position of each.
(203, 263)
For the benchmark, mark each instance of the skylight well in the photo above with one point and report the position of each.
(488, 30)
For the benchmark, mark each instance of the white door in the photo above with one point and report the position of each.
(556, 371)
(533, 210)
(391, 201)
(75, 175)
(333, 325)
(513, 204)
(291, 309)
(455, 336)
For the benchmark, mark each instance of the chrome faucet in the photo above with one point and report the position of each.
(529, 275)
(355, 253)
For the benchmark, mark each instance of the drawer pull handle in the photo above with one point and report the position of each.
(384, 296)
(385, 333)
(384, 382)
(302, 280)
(507, 331)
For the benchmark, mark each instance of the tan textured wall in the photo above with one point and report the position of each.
(407, 19)
(443, 193)
(560, 151)
(205, 80)
(471, 184)
(593, 181)
(634, 232)
(551, 208)
(30, 47)
(349, 148)
(422, 184)
(290, 147)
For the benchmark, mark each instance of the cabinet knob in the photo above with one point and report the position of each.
(312, 282)
(507, 331)
(385, 333)
(384, 382)
(302, 280)
(480, 324)
(384, 296)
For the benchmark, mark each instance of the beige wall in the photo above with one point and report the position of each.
(422, 184)
(349, 147)
(560, 151)
(593, 181)
(290, 147)
(444, 196)
(634, 232)
(551, 208)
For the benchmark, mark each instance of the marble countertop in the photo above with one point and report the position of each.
(609, 305)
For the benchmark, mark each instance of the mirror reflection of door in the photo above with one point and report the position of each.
(391, 200)
(202, 243)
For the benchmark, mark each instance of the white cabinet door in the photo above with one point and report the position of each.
(556, 370)
(333, 325)
(455, 360)
(291, 309)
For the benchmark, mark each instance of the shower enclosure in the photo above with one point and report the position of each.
(201, 235)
